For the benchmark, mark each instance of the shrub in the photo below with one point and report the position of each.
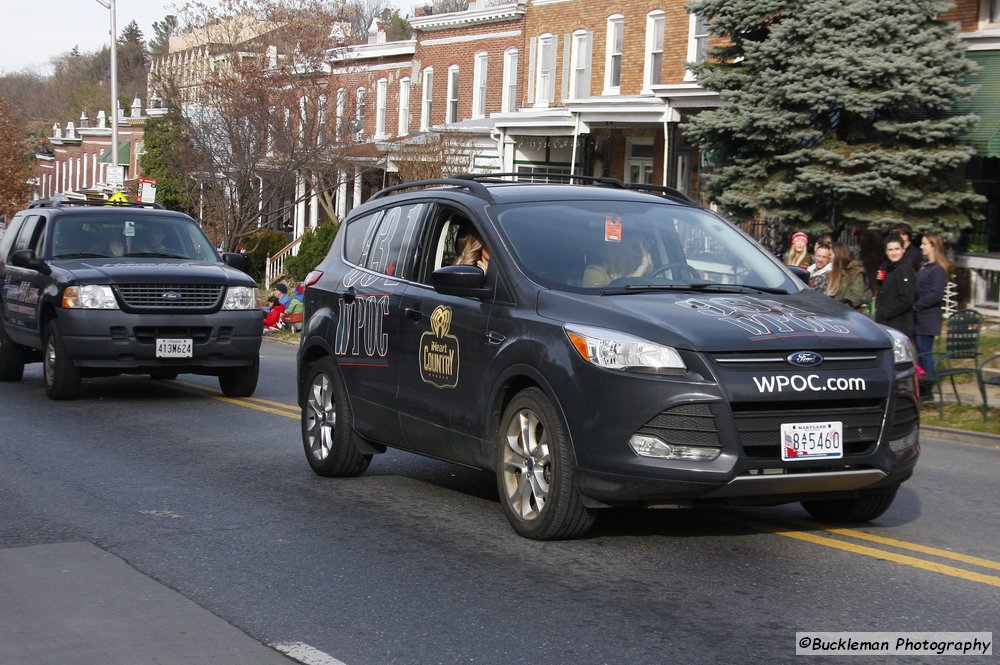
(259, 246)
(315, 245)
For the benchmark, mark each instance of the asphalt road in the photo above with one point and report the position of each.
(413, 562)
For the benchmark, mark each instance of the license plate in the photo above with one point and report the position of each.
(174, 348)
(805, 441)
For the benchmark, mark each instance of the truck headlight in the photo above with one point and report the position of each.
(612, 349)
(902, 347)
(242, 297)
(89, 296)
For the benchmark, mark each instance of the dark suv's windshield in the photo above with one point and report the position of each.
(609, 245)
(145, 236)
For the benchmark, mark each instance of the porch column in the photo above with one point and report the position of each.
(313, 209)
(299, 222)
(357, 188)
(341, 194)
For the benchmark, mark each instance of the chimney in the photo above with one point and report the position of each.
(102, 119)
(136, 108)
(376, 31)
(272, 56)
(425, 9)
(70, 130)
(84, 120)
(56, 131)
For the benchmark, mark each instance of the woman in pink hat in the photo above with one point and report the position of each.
(798, 253)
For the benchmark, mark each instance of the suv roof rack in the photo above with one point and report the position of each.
(667, 192)
(66, 203)
(466, 183)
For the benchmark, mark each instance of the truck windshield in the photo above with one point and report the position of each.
(148, 236)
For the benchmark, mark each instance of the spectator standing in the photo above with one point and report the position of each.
(847, 282)
(798, 252)
(931, 281)
(820, 269)
(894, 306)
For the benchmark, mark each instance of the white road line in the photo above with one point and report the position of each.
(306, 654)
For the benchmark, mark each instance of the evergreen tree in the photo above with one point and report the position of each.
(165, 29)
(167, 158)
(837, 113)
(133, 63)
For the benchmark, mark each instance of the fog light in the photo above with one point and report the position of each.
(908, 441)
(651, 446)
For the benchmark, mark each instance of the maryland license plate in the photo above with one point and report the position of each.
(805, 441)
(174, 348)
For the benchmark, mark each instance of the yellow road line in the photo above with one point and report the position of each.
(901, 544)
(906, 560)
(247, 403)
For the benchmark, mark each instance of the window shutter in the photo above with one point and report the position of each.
(532, 73)
(567, 50)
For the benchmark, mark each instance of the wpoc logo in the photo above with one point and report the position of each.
(801, 383)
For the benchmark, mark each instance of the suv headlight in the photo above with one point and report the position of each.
(612, 349)
(242, 297)
(90, 296)
(902, 347)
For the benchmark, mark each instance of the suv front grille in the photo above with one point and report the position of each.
(171, 297)
(686, 424)
(759, 425)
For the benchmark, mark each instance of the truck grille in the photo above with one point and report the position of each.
(170, 297)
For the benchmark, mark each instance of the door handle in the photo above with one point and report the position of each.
(414, 314)
(495, 338)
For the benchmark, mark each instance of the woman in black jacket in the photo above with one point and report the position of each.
(894, 306)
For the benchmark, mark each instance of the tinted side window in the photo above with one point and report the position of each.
(388, 249)
(357, 238)
(8, 237)
(30, 234)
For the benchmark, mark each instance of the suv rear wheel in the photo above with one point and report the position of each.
(863, 508)
(62, 377)
(11, 358)
(535, 471)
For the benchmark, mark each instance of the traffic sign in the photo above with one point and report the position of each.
(118, 197)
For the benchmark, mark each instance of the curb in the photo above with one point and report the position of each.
(961, 436)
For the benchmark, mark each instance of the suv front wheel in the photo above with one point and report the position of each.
(62, 377)
(535, 471)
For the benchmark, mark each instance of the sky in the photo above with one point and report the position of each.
(32, 32)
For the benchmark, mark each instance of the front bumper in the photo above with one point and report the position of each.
(116, 341)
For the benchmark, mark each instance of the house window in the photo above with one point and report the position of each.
(341, 103)
(579, 83)
(697, 42)
(359, 115)
(654, 48)
(508, 103)
(404, 107)
(545, 79)
(381, 93)
(639, 168)
(613, 55)
(427, 94)
(479, 86)
(451, 113)
(989, 11)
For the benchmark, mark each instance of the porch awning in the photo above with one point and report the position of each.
(985, 136)
(124, 153)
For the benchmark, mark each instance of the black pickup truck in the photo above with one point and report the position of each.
(100, 290)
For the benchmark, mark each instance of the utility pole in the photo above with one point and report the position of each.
(110, 6)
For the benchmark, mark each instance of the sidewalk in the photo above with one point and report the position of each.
(969, 392)
(75, 603)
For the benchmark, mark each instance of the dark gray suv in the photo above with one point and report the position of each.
(97, 290)
(595, 346)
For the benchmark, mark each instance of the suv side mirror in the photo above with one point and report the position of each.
(468, 281)
(236, 260)
(25, 258)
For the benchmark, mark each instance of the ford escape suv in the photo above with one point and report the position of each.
(619, 348)
(98, 290)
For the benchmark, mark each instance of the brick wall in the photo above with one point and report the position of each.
(965, 13)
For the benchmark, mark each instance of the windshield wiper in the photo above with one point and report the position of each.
(160, 255)
(692, 286)
(81, 255)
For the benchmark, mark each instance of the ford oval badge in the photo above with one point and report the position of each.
(804, 359)
(172, 296)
